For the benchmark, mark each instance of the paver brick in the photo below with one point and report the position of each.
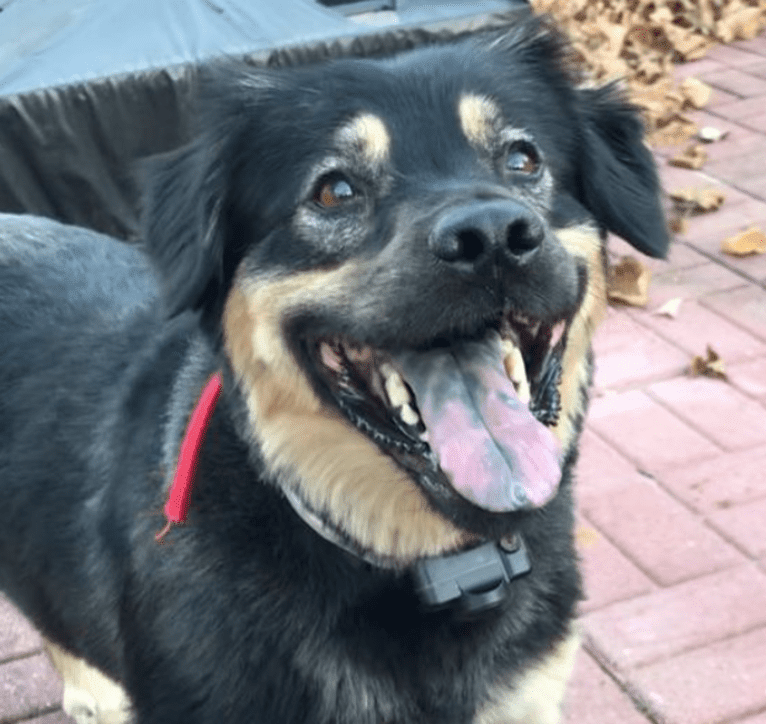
(721, 412)
(745, 525)
(670, 621)
(660, 535)
(600, 468)
(745, 306)
(757, 719)
(627, 352)
(695, 327)
(645, 432)
(608, 576)
(750, 378)
(737, 80)
(594, 698)
(711, 685)
(17, 636)
(57, 717)
(690, 283)
(697, 68)
(735, 56)
(718, 483)
(736, 111)
(28, 686)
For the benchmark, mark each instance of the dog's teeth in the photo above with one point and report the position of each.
(514, 368)
(409, 415)
(396, 391)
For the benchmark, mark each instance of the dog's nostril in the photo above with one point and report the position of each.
(523, 236)
(471, 245)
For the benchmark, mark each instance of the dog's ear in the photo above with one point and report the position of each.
(619, 182)
(183, 225)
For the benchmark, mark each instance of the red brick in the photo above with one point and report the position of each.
(17, 636)
(736, 168)
(744, 524)
(734, 144)
(695, 327)
(716, 683)
(680, 256)
(721, 98)
(27, 686)
(735, 57)
(593, 697)
(750, 378)
(690, 283)
(600, 468)
(608, 575)
(660, 535)
(57, 717)
(707, 231)
(757, 123)
(736, 82)
(689, 615)
(754, 45)
(730, 479)
(715, 408)
(647, 433)
(745, 306)
(626, 353)
(740, 109)
(757, 719)
(697, 68)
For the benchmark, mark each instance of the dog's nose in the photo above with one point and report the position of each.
(499, 231)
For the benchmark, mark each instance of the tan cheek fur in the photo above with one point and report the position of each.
(583, 243)
(336, 469)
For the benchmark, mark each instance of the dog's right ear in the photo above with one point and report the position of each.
(182, 220)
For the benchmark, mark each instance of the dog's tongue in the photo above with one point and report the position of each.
(494, 452)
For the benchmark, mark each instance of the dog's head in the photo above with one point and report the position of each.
(404, 260)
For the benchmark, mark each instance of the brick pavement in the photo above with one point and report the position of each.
(672, 490)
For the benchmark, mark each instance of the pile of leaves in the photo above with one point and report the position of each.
(640, 40)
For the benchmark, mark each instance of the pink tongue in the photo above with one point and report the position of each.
(494, 452)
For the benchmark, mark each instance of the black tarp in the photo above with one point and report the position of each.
(89, 87)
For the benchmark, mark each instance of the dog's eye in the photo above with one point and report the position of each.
(333, 190)
(522, 158)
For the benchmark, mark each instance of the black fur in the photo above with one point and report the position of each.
(246, 615)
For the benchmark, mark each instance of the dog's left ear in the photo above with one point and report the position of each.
(619, 182)
(183, 225)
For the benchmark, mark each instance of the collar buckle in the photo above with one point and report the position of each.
(474, 580)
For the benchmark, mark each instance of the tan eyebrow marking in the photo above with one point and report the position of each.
(367, 133)
(478, 116)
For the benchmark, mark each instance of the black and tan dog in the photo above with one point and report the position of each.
(397, 266)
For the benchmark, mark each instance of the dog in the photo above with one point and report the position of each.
(376, 282)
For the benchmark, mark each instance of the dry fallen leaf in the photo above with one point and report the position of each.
(696, 94)
(692, 157)
(670, 308)
(750, 241)
(640, 40)
(678, 224)
(586, 536)
(711, 365)
(711, 134)
(629, 282)
(691, 200)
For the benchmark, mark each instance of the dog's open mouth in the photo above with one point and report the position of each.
(478, 411)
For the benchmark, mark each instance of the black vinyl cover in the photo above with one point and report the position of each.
(89, 87)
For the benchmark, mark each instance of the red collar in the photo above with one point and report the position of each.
(179, 498)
